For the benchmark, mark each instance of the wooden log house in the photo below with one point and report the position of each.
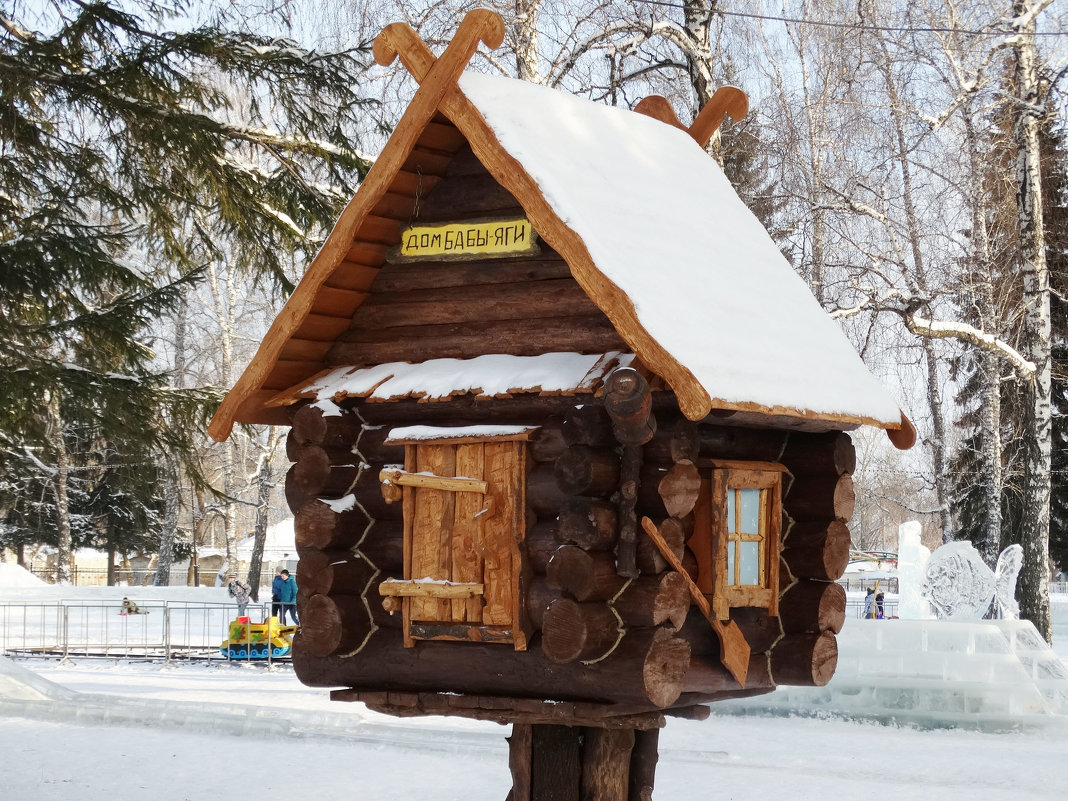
(569, 435)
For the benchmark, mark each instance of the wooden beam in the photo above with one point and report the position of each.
(430, 589)
(445, 483)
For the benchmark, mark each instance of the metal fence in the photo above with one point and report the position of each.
(168, 630)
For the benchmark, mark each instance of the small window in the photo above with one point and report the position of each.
(464, 520)
(736, 536)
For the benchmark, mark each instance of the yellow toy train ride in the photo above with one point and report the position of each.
(267, 640)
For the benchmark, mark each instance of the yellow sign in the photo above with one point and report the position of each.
(481, 239)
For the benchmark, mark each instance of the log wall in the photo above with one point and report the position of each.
(598, 636)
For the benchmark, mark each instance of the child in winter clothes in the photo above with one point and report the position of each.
(240, 592)
(130, 608)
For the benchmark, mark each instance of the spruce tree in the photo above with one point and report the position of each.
(130, 156)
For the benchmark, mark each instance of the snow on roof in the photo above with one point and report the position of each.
(281, 540)
(13, 575)
(410, 433)
(662, 222)
(489, 375)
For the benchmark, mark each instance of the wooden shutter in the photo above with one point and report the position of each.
(466, 537)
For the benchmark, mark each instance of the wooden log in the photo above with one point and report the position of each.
(628, 401)
(674, 442)
(333, 572)
(820, 497)
(313, 426)
(806, 660)
(690, 564)
(650, 504)
(811, 454)
(817, 549)
(582, 470)
(643, 759)
(522, 300)
(810, 607)
(750, 444)
(652, 600)
(319, 525)
(606, 757)
(467, 410)
(343, 454)
(573, 631)
(760, 629)
(384, 546)
(520, 337)
(539, 597)
(675, 532)
(547, 442)
(315, 476)
(556, 763)
(541, 544)
(463, 197)
(442, 274)
(590, 425)
(629, 475)
(679, 488)
(371, 446)
(645, 672)
(707, 680)
(368, 494)
(590, 523)
(583, 575)
(334, 625)
(544, 495)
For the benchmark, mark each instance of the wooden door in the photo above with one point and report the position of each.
(466, 537)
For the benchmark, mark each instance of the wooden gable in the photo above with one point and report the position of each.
(523, 306)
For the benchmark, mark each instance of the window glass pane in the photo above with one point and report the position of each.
(730, 511)
(750, 522)
(730, 563)
(749, 567)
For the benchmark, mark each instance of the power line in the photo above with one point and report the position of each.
(852, 25)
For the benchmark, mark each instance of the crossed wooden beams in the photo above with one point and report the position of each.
(437, 77)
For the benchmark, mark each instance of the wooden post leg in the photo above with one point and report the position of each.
(519, 761)
(606, 755)
(643, 761)
(572, 763)
(556, 766)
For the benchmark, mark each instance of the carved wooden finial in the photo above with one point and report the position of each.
(437, 76)
(726, 100)
(659, 108)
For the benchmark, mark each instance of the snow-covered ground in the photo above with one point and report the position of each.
(189, 731)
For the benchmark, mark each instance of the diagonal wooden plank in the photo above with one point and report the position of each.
(733, 648)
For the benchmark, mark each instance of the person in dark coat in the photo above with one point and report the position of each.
(276, 593)
(879, 611)
(288, 597)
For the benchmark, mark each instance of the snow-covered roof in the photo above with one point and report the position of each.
(651, 230)
(663, 223)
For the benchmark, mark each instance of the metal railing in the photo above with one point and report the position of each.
(855, 608)
(167, 630)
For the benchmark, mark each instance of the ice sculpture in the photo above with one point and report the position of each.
(958, 583)
(1009, 563)
(912, 557)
